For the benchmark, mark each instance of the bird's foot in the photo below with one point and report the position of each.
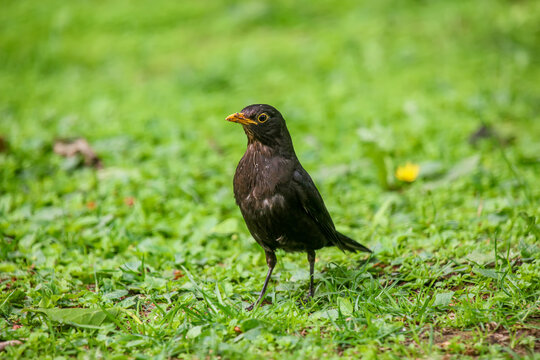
(258, 303)
(305, 302)
(309, 298)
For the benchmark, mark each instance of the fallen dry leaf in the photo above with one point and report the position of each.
(5, 344)
(178, 274)
(444, 344)
(3, 144)
(70, 148)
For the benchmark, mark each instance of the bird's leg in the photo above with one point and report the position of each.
(311, 259)
(271, 262)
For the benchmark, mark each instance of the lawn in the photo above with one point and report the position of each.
(147, 256)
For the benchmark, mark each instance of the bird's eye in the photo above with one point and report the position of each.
(262, 118)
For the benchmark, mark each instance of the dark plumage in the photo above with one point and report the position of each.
(280, 204)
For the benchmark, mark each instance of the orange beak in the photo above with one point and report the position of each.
(241, 119)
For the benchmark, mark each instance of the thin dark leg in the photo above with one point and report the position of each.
(311, 259)
(271, 262)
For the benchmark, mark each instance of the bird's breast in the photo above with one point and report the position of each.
(260, 180)
(262, 205)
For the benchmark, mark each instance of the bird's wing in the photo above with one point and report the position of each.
(313, 204)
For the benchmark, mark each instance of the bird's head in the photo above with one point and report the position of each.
(262, 123)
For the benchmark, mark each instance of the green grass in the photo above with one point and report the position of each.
(153, 243)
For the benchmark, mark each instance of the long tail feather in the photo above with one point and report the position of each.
(346, 243)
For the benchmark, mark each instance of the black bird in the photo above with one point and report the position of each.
(280, 204)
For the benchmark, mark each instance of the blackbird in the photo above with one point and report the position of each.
(280, 204)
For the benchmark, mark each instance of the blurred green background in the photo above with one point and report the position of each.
(365, 86)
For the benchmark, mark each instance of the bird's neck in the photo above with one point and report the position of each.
(272, 145)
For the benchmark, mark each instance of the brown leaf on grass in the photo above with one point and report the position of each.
(178, 274)
(5, 344)
(3, 144)
(70, 148)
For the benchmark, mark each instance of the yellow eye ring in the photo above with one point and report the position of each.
(262, 117)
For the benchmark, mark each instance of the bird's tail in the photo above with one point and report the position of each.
(346, 243)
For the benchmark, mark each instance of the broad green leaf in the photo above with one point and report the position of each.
(134, 343)
(480, 257)
(194, 332)
(486, 272)
(345, 306)
(249, 324)
(325, 314)
(464, 167)
(429, 169)
(250, 334)
(253, 333)
(77, 316)
(443, 299)
(116, 294)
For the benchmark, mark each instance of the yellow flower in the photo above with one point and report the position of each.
(408, 172)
